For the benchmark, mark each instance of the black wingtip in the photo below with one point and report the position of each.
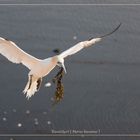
(109, 32)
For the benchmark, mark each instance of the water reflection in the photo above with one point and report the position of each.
(4, 119)
(15, 119)
(19, 125)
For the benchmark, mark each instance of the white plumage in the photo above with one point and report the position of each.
(40, 68)
(14, 54)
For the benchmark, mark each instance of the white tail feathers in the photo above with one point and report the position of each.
(32, 86)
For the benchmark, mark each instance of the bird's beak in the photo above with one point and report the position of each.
(63, 66)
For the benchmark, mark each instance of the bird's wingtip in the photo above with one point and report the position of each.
(120, 23)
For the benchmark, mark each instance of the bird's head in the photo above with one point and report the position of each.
(60, 63)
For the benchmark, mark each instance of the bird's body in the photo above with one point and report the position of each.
(40, 68)
(43, 67)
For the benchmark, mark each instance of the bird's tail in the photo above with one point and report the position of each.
(32, 86)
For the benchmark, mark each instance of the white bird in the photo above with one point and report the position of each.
(40, 68)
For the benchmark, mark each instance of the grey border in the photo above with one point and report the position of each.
(71, 4)
(70, 135)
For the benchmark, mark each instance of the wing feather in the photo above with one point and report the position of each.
(86, 44)
(76, 48)
(79, 46)
(16, 55)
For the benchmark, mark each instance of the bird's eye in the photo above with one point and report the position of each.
(59, 63)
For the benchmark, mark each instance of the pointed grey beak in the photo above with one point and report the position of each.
(63, 66)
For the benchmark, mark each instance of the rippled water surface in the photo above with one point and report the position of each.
(102, 88)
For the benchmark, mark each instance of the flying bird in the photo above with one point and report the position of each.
(40, 68)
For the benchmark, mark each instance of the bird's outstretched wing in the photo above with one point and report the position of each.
(85, 44)
(76, 48)
(16, 55)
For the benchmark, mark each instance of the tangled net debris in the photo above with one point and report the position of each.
(59, 93)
